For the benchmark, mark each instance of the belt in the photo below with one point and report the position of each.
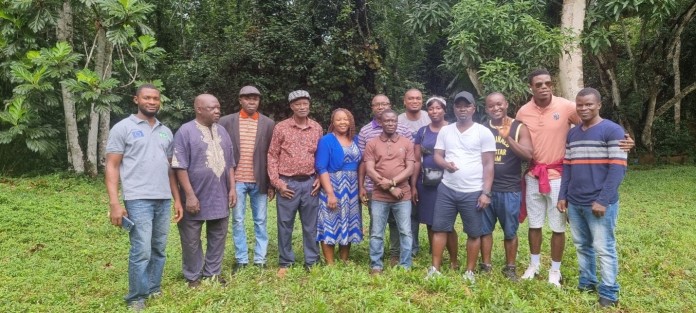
(298, 177)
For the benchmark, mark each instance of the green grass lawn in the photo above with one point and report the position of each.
(59, 253)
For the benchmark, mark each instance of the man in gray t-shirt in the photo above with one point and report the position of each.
(138, 153)
(414, 117)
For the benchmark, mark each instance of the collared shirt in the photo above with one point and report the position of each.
(292, 149)
(144, 170)
(243, 114)
(390, 156)
(549, 128)
(372, 130)
(206, 155)
(247, 142)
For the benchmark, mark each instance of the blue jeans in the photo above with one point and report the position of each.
(594, 236)
(258, 212)
(402, 215)
(148, 239)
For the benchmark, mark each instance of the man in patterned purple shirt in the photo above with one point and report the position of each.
(205, 170)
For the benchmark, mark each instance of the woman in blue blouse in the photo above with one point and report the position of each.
(424, 141)
(336, 162)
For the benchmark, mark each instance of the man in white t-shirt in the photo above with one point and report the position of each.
(466, 150)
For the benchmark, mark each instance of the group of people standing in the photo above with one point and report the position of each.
(409, 169)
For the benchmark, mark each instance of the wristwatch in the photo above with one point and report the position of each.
(487, 194)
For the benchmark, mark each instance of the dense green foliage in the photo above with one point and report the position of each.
(58, 252)
(342, 52)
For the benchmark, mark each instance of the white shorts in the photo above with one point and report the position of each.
(541, 205)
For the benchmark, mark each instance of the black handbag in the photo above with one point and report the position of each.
(432, 176)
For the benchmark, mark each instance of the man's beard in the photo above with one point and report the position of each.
(148, 114)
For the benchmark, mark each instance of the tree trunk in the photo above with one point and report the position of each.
(100, 66)
(92, 142)
(646, 137)
(677, 83)
(99, 122)
(64, 32)
(570, 65)
(105, 116)
(473, 77)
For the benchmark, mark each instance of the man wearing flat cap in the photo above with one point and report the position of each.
(291, 171)
(251, 134)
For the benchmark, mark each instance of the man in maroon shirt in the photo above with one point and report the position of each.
(291, 171)
(389, 162)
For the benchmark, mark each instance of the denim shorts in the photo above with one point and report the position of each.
(450, 202)
(505, 207)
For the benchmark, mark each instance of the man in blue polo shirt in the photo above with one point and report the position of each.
(139, 152)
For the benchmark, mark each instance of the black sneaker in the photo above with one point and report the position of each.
(510, 271)
(485, 268)
(238, 267)
(260, 265)
(605, 303)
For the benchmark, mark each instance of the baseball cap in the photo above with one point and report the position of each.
(298, 94)
(466, 96)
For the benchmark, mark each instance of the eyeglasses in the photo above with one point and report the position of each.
(381, 104)
(540, 84)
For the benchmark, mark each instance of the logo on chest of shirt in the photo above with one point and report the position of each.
(137, 134)
(163, 135)
(556, 116)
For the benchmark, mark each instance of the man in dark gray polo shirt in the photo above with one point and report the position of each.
(138, 153)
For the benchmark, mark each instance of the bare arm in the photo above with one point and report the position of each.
(523, 148)
(174, 186)
(487, 158)
(111, 178)
(439, 158)
(371, 172)
(362, 192)
(416, 170)
(325, 181)
(232, 196)
(406, 174)
(192, 204)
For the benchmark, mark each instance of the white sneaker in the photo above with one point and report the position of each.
(531, 271)
(555, 278)
(432, 273)
(469, 277)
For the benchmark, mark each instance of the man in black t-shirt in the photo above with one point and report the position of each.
(513, 144)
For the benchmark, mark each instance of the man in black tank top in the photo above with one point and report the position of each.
(513, 144)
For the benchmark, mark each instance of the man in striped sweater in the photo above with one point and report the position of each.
(593, 169)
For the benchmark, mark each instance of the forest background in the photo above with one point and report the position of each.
(68, 69)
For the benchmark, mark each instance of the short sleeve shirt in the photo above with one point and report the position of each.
(465, 149)
(390, 159)
(206, 155)
(146, 150)
(414, 126)
(549, 128)
(372, 130)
